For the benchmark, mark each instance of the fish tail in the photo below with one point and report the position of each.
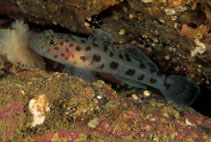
(181, 90)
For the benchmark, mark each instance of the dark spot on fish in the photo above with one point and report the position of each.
(73, 56)
(111, 54)
(114, 65)
(83, 41)
(95, 44)
(83, 58)
(70, 45)
(166, 84)
(96, 58)
(141, 77)
(152, 80)
(127, 58)
(130, 72)
(66, 58)
(56, 48)
(142, 66)
(78, 48)
(67, 50)
(61, 43)
(55, 56)
(88, 48)
(151, 65)
(159, 74)
(67, 40)
(152, 70)
(62, 54)
(106, 43)
(121, 56)
(105, 48)
(101, 66)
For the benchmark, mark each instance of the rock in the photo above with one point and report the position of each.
(75, 103)
(70, 13)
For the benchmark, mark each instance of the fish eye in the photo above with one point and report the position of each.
(52, 42)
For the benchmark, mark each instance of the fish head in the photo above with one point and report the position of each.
(46, 44)
(54, 46)
(41, 42)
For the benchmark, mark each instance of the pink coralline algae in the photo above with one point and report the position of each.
(11, 111)
(71, 136)
(46, 138)
(105, 127)
(82, 111)
(26, 73)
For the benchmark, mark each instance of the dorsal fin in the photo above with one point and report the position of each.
(139, 55)
(101, 37)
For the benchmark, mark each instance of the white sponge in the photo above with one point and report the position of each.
(14, 46)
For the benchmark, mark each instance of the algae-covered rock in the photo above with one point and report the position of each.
(83, 111)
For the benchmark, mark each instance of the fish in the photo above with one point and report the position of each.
(95, 53)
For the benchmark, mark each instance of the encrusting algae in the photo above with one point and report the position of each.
(83, 111)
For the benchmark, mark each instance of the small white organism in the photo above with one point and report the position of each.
(14, 46)
(175, 10)
(146, 93)
(201, 48)
(38, 106)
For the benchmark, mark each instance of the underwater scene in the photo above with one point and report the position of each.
(105, 70)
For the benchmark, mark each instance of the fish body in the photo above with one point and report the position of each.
(131, 66)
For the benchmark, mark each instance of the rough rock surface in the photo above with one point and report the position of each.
(70, 13)
(81, 111)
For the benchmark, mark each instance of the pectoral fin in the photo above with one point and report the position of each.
(85, 74)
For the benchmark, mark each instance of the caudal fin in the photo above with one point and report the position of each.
(181, 90)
